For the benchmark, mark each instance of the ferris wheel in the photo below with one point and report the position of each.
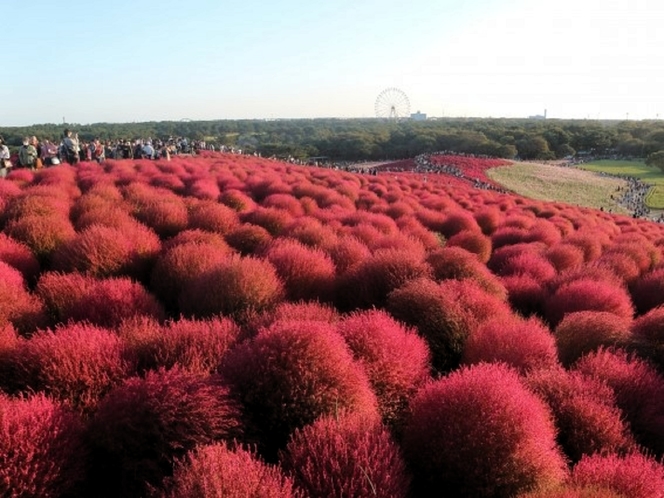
(392, 103)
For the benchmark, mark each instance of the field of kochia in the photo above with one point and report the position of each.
(231, 326)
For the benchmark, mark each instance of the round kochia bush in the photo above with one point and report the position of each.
(76, 364)
(634, 475)
(216, 471)
(522, 344)
(395, 358)
(586, 415)
(290, 374)
(481, 432)
(347, 455)
(143, 426)
(41, 448)
(588, 295)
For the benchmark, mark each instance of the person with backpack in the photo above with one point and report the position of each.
(69, 148)
(27, 155)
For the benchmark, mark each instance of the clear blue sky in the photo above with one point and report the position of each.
(145, 60)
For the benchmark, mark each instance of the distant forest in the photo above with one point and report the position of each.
(374, 139)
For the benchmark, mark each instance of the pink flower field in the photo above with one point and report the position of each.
(232, 326)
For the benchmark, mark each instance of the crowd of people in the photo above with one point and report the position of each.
(35, 153)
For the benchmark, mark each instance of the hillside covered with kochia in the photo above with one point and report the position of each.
(224, 325)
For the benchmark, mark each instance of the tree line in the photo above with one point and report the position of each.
(375, 139)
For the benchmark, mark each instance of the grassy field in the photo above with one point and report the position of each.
(638, 169)
(555, 183)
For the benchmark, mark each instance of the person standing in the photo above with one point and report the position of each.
(5, 159)
(27, 154)
(69, 148)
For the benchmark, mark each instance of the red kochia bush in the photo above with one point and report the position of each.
(307, 273)
(648, 336)
(522, 344)
(396, 359)
(19, 255)
(98, 251)
(234, 286)
(290, 374)
(586, 415)
(248, 238)
(111, 300)
(639, 390)
(457, 263)
(178, 267)
(648, 291)
(634, 475)
(42, 234)
(585, 331)
(41, 448)
(369, 283)
(143, 426)
(588, 295)
(17, 306)
(346, 456)
(76, 364)
(216, 471)
(347, 252)
(472, 241)
(196, 346)
(440, 315)
(212, 216)
(564, 256)
(481, 432)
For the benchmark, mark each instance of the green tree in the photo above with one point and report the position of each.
(656, 160)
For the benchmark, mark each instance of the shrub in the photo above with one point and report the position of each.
(525, 294)
(368, 284)
(166, 215)
(248, 239)
(60, 291)
(639, 392)
(111, 300)
(585, 331)
(634, 475)
(528, 263)
(348, 252)
(459, 264)
(647, 291)
(42, 234)
(395, 359)
(564, 256)
(213, 217)
(196, 346)
(585, 412)
(307, 273)
(177, 268)
(76, 364)
(145, 425)
(284, 201)
(216, 471)
(439, 317)
(272, 219)
(474, 440)
(522, 344)
(237, 200)
(234, 286)
(197, 236)
(290, 374)
(346, 456)
(474, 242)
(292, 312)
(98, 251)
(41, 448)
(19, 256)
(456, 221)
(588, 295)
(311, 232)
(648, 336)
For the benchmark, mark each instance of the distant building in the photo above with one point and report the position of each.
(538, 116)
(418, 116)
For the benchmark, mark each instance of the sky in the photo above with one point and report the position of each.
(148, 60)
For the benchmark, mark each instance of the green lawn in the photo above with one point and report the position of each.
(638, 169)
